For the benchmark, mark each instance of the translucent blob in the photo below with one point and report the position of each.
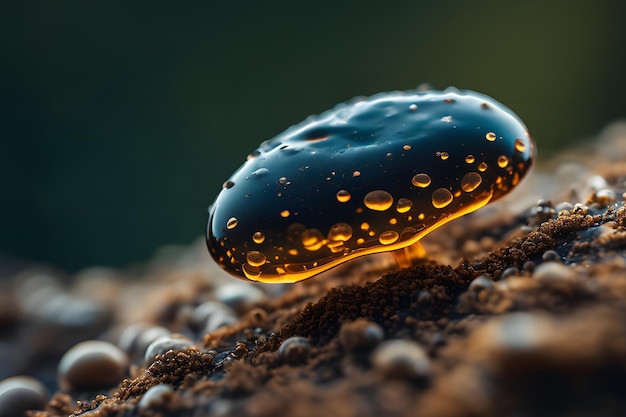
(402, 161)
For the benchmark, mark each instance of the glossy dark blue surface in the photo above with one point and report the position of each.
(368, 176)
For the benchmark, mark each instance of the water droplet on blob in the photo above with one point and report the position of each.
(294, 231)
(343, 196)
(490, 136)
(404, 205)
(316, 135)
(503, 161)
(228, 184)
(482, 167)
(421, 180)
(340, 232)
(470, 159)
(284, 213)
(258, 237)
(253, 154)
(312, 239)
(520, 146)
(471, 181)
(259, 173)
(255, 258)
(232, 223)
(441, 198)
(388, 237)
(515, 179)
(378, 200)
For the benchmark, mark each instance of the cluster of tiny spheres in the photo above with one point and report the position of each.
(370, 175)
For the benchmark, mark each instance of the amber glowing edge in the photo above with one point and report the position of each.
(292, 277)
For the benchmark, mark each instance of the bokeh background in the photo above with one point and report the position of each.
(119, 121)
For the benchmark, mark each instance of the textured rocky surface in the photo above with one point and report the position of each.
(517, 310)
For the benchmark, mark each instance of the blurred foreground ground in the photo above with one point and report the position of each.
(527, 320)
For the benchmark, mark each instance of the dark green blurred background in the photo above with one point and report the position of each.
(119, 121)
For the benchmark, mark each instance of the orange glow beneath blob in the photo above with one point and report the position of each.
(405, 258)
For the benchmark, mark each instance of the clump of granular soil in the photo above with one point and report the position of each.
(517, 310)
